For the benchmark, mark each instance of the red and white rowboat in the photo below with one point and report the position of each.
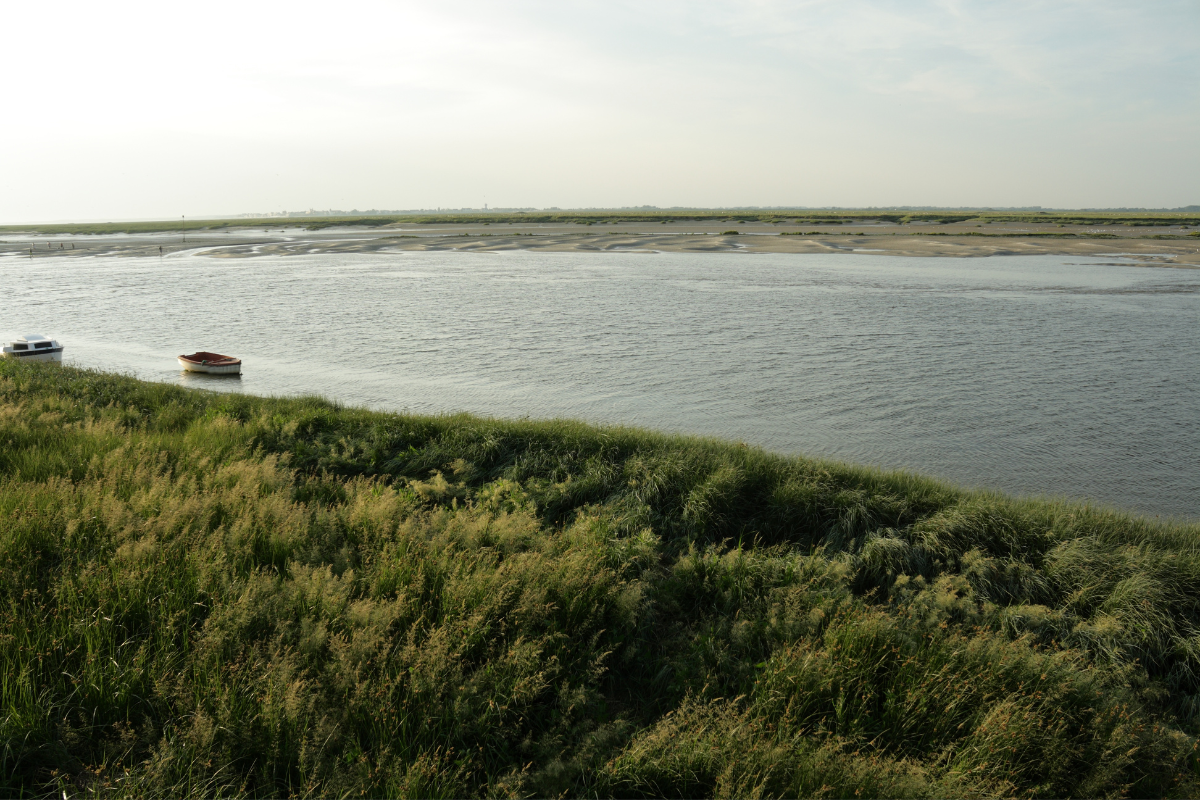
(213, 363)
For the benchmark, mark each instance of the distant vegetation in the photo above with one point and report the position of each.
(593, 218)
(220, 595)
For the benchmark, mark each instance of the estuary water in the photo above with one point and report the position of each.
(1037, 375)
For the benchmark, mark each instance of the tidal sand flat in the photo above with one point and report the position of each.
(953, 242)
(1159, 253)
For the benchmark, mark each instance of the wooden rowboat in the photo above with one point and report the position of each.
(212, 363)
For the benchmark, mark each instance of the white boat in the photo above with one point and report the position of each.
(212, 363)
(33, 347)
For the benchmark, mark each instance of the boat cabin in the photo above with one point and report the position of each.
(31, 341)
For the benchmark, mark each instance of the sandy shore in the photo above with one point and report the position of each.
(1161, 252)
(1176, 252)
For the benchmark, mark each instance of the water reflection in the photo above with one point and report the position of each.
(203, 380)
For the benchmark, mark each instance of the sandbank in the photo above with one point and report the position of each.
(1174, 251)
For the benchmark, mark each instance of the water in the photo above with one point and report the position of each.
(1035, 375)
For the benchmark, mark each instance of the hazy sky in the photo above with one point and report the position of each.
(123, 110)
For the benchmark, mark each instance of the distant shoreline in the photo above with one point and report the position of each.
(918, 217)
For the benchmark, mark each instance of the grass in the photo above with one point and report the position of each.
(221, 595)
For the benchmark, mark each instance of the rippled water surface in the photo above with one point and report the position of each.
(1036, 375)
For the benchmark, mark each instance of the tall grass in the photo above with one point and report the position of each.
(223, 595)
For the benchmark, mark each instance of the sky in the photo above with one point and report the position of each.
(127, 110)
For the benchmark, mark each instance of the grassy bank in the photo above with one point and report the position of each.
(795, 217)
(225, 595)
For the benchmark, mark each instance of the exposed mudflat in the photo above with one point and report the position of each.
(1183, 251)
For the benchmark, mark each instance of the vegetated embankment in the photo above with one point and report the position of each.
(209, 594)
(627, 216)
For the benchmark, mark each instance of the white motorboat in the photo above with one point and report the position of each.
(212, 363)
(33, 347)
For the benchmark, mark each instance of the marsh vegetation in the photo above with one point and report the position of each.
(225, 595)
(589, 218)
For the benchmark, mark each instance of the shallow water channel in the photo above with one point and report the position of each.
(1040, 375)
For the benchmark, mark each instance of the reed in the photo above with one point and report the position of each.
(223, 595)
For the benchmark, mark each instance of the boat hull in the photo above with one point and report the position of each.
(36, 355)
(211, 369)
